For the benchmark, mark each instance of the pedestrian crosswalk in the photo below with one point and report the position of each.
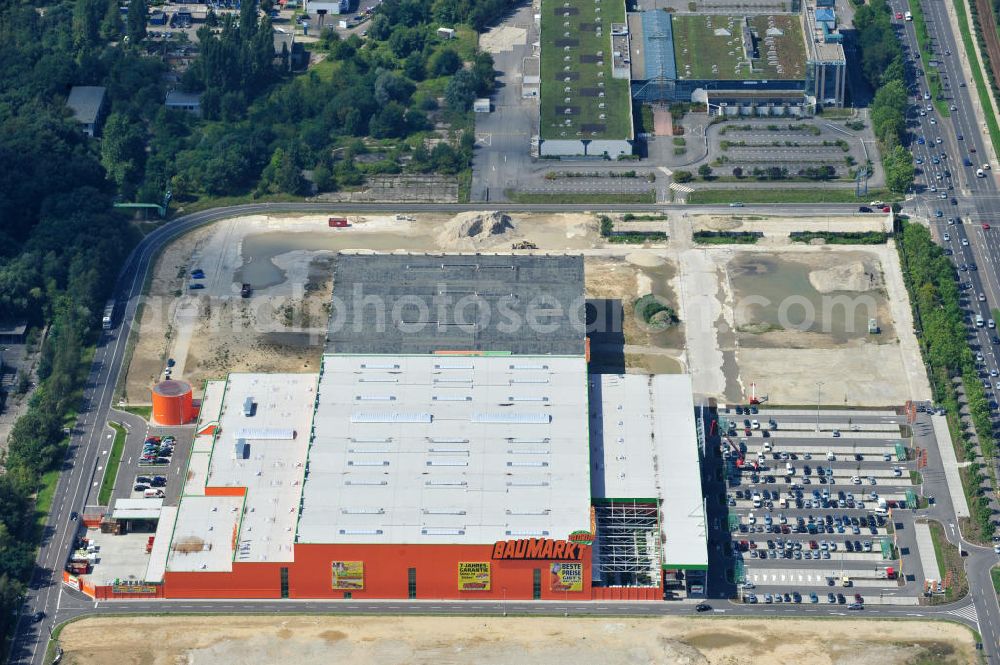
(968, 613)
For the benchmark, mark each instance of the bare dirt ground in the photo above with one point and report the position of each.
(732, 343)
(259, 640)
(212, 331)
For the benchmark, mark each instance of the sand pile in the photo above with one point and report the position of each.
(854, 276)
(477, 229)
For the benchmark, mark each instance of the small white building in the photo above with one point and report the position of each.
(481, 105)
(446, 33)
(322, 7)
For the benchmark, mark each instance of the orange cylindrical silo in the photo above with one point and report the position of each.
(172, 403)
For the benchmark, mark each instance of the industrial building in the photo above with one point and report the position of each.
(748, 64)
(754, 63)
(584, 104)
(435, 456)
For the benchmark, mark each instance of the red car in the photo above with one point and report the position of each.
(986, 227)
(899, 16)
(886, 209)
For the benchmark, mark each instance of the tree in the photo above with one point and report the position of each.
(389, 122)
(899, 170)
(445, 63)
(282, 174)
(136, 21)
(482, 67)
(392, 87)
(248, 20)
(414, 66)
(461, 91)
(683, 176)
(737, 171)
(122, 150)
(705, 171)
(323, 179)
(87, 15)
(111, 24)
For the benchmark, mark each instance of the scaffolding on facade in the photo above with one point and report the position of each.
(628, 543)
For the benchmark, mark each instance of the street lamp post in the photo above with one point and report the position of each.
(819, 393)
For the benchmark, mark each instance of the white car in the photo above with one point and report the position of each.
(947, 237)
(965, 242)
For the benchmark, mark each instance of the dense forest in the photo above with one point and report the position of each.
(402, 95)
(884, 69)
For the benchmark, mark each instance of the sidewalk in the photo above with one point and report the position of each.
(950, 464)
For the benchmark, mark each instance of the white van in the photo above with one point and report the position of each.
(756, 500)
(789, 469)
(991, 324)
(830, 457)
(979, 321)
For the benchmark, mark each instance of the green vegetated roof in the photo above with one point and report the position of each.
(710, 47)
(574, 61)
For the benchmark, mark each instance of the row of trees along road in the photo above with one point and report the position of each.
(883, 66)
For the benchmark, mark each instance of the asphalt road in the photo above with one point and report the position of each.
(46, 593)
(978, 201)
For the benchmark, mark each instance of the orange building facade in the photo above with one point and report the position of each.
(540, 569)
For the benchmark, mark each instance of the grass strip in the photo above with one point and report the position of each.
(770, 195)
(570, 197)
(111, 468)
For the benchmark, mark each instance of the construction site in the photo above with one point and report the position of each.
(288, 260)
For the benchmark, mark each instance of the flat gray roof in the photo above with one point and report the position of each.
(277, 433)
(415, 304)
(644, 443)
(180, 98)
(447, 449)
(86, 101)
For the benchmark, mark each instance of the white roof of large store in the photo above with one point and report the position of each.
(447, 449)
(277, 438)
(645, 446)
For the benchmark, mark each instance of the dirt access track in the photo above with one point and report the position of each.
(253, 640)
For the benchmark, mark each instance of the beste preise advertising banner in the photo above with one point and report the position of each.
(348, 575)
(566, 576)
(474, 576)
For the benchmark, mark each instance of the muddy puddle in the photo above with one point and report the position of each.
(774, 294)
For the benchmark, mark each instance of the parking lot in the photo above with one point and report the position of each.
(154, 467)
(795, 145)
(817, 506)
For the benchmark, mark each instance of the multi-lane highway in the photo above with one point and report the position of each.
(949, 150)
